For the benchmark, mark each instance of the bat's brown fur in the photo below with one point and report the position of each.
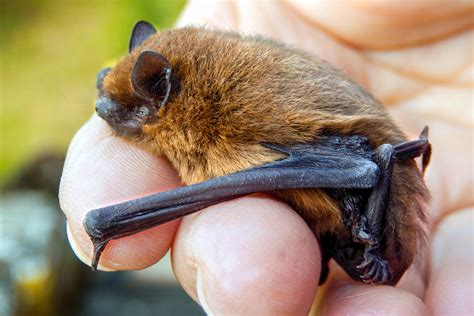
(238, 92)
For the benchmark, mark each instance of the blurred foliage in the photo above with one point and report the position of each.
(50, 54)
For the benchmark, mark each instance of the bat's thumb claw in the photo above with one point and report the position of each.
(425, 160)
(98, 248)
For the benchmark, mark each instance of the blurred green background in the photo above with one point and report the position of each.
(51, 52)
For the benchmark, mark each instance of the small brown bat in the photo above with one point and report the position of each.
(237, 115)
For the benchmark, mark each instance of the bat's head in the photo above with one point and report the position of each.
(209, 99)
(131, 94)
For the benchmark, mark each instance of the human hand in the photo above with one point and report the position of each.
(255, 255)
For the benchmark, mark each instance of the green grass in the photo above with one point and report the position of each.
(50, 54)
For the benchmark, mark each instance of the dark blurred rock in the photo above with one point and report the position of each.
(39, 268)
(42, 173)
(41, 273)
(117, 296)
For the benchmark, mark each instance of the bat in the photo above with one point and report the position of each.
(237, 115)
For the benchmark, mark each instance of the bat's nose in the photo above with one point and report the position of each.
(105, 108)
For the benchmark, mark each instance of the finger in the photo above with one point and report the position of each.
(250, 256)
(279, 21)
(101, 170)
(347, 297)
(414, 279)
(215, 14)
(450, 291)
(387, 24)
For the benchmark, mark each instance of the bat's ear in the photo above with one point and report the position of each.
(140, 32)
(151, 77)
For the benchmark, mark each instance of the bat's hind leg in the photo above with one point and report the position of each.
(369, 230)
(373, 269)
(359, 253)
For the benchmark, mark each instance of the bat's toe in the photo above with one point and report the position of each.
(374, 270)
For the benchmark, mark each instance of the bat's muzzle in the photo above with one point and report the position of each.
(106, 108)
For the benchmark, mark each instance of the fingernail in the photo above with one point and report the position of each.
(200, 292)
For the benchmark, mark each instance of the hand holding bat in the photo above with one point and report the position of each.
(111, 203)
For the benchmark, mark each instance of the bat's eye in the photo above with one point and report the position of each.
(143, 111)
(100, 78)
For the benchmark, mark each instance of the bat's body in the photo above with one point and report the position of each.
(254, 115)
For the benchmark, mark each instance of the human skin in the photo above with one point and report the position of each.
(254, 255)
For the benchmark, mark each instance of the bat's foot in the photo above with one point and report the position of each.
(373, 269)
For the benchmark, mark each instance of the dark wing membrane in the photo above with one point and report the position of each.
(306, 166)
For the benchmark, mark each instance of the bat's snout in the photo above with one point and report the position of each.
(121, 120)
(105, 108)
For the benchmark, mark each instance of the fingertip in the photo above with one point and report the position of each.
(250, 255)
(102, 169)
(450, 289)
(140, 250)
(350, 298)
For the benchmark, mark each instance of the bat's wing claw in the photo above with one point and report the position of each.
(415, 148)
(424, 133)
(426, 155)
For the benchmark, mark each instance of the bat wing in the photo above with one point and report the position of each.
(326, 164)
